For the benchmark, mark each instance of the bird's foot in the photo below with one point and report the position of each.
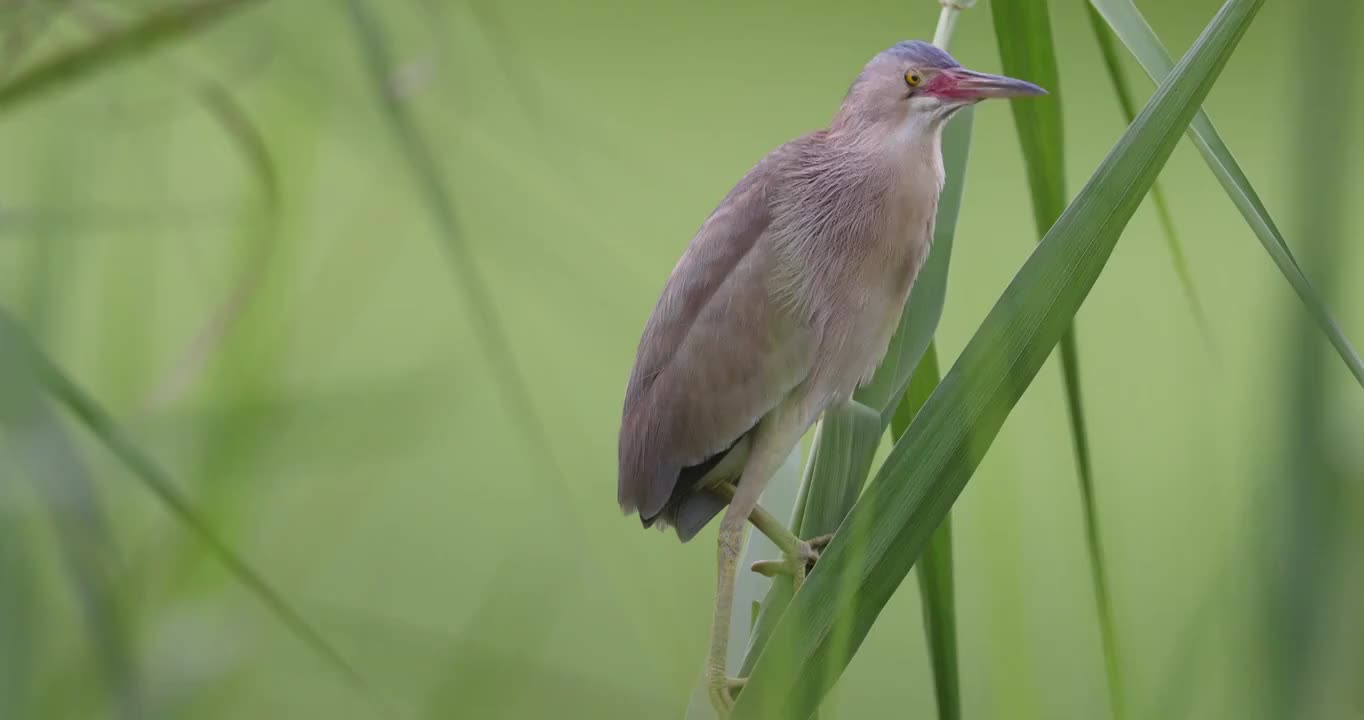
(796, 564)
(722, 691)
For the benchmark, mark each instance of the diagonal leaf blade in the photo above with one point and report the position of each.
(1131, 28)
(1023, 30)
(23, 356)
(1127, 102)
(430, 180)
(931, 464)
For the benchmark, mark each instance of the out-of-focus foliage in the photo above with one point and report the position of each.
(219, 240)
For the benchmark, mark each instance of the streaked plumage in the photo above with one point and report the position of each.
(788, 293)
(783, 303)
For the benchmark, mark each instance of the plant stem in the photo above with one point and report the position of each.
(947, 21)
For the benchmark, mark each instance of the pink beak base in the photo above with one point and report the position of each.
(971, 86)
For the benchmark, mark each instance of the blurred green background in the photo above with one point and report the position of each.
(314, 377)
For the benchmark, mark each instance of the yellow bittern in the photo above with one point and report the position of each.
(783, 303)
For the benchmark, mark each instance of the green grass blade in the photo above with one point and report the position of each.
(1023, 29)
(34, 367)
(33, 436)
(1131, 28)
(249, 142)
(429, 179)
(420, 158)
(173, 22)
(1310, 540)
(937, 594)
(840, 462)
(1026, 51)
(838, 466)
(1127, 102)
(931, 464)
(84, 537)
(934, 569)
(1103, 597)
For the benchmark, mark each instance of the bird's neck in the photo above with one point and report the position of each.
(909, 151)
(924, 152)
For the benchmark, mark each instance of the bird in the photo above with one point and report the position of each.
(782, 304)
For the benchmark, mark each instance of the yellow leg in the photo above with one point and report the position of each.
(721, 687)
(727, 562)
(764, 521)
(771, 442)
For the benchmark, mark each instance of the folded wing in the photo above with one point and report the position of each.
(716, 356)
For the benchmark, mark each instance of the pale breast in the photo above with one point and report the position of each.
(903, 243)
(849, 246)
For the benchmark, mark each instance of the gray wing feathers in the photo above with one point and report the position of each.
(717, 354)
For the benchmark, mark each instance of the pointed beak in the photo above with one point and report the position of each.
(976, 86)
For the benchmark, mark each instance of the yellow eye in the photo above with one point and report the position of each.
(914, 78)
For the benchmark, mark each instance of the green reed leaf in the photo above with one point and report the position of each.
(1023, 30)
(934, 569)
(1127, 102)
(1131, 28)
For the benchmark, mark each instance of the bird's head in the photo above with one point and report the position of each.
(915, 87)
